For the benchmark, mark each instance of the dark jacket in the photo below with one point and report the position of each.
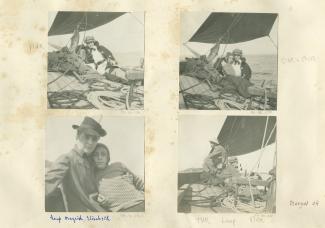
(85, 53)
(76, 174)
(246, 71)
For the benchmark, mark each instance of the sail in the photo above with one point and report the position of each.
(244, 134)
(66, 22)
(234, 27)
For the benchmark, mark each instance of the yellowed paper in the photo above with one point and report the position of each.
(24, 113)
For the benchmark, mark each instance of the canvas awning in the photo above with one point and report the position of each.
(245, 134)
(65, 22)
(234, 27)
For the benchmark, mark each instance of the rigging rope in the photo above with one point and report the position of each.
(267, 141)
(191, 50)
(265, 128)
(136, 19)
(86, 24)
(272, 41)
(227, 35)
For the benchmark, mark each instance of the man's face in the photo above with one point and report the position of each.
(87, 141)
(213, 145)
(100, 157)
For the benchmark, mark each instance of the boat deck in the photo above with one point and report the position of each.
(197, 94)
(68, 92)
(197, 198)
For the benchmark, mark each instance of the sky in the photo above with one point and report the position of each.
(194, 135)
(125, 139)
(122, 36)
(191, 21)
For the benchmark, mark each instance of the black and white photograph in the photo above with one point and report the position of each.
(96, 60)
(227, 164)
(228, 61)
(94, 164)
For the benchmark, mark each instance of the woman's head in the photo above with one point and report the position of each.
(230, 59)
(101, 156)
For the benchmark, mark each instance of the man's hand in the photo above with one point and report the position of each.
(102, 200)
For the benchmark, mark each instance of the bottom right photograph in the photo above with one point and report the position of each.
(227, 164)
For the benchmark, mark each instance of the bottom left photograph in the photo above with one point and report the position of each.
(94, 164)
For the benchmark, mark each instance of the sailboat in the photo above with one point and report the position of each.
(74, 84)
(249, 190)
(200, 86)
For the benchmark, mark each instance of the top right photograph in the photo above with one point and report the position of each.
(228, 61)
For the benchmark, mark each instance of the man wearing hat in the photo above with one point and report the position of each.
(214, 163)
(74, 170)
(242, 69)
(217, 156)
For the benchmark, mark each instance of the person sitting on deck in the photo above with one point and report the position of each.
(241, 67)
(214, 163)
(96, 55)
(118, 188)
(236, 74)
(215, 167)
(224, 65)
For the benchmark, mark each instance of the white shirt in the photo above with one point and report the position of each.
(237, 69)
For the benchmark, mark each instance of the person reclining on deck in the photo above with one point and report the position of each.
(119, 189)
(96, 55)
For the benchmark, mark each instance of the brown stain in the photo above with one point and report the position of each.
(174, 27)
(42, 29)
(39, 28)
(151, 136)
(2, 153)
(3, 75)
(27, 112)
(165, 56)
(91, 5)
(147, 191)
(4, 58)
(112, 4)
(150, 150)
(4, 137)
(31, 47)
(13, 8)
(173, 96)
(230, 2)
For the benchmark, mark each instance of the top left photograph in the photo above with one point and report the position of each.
(95, 60)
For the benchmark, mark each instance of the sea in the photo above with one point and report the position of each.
(129, 59)
(264, 68)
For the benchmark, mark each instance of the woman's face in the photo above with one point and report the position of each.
(91, 44)
(100, 157)
(237, 57)
(230, 59)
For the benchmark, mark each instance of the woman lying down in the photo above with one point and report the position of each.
(118, 188)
